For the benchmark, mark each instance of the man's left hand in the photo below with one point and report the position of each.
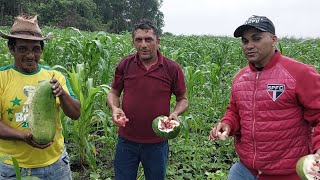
(56, 87)
(173, 116)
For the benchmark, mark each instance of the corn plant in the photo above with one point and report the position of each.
(5, 56)
(81, 134)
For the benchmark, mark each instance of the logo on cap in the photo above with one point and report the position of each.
(254, 19)
(261, 23)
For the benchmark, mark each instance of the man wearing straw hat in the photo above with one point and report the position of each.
(17, 83)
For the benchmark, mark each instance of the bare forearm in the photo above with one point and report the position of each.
(181, 106)
(9, 133)
(70, 106)
(113, 100)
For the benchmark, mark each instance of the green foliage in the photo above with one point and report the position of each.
(82, 137)
(5, 57)
(91, 15)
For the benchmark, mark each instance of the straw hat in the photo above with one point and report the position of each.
(26, 27)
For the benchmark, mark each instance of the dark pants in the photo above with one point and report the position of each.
(152, 156)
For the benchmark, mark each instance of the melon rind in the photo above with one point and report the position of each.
(166, 134)
(42, 113)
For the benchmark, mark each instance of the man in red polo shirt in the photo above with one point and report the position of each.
(147, 80)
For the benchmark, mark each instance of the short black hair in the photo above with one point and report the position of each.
(145, 24)
(12, 42)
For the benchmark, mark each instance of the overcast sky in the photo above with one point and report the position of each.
(292, 18)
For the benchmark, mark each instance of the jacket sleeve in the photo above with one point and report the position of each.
(308, 92)
(231, 117)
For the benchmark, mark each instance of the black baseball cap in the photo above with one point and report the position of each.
(259, 22)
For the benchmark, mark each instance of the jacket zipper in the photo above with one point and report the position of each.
(254, 118)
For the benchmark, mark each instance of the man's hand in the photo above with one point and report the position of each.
(28, 139)
(220, 131)
(173, 116)
(57, 89)
(119, 118)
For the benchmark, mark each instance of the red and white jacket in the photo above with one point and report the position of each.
(271, 115)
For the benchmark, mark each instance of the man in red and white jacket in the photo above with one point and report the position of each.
(274, 109)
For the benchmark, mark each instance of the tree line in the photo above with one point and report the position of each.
(114, 16)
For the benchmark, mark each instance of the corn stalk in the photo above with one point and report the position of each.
(82, 129)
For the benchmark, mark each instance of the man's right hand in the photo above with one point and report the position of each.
(220, 131)
(28, 139)
(118, 117)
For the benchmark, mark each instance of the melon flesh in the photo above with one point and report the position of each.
(304, 166)
(165, 128)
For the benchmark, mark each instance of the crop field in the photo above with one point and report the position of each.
(209, 63)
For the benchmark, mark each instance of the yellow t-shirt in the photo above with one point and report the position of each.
(16, 89)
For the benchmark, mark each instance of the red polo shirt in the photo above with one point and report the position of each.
(146, 94)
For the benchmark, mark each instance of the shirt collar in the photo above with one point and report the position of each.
(274, 59)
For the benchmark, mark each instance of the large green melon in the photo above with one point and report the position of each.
(42, 113)
(164, 128)
(303, 167)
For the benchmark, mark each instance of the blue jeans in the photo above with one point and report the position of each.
(152, 156)
(239, 172)
(60, 170)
